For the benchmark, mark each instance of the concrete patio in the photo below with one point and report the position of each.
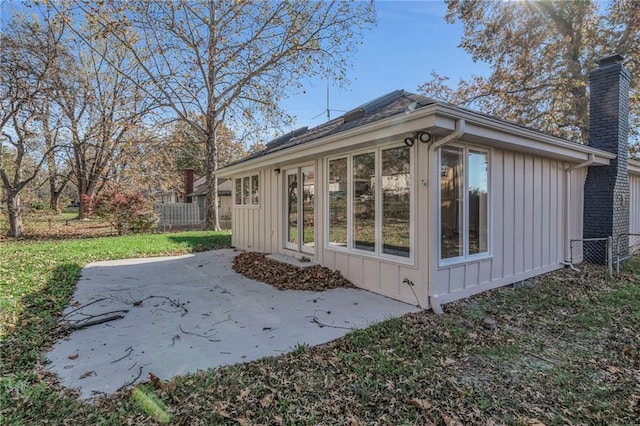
(183, 314)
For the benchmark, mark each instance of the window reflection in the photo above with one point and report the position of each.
(396, 202)
(364, 201)
(338, 202)
(478, 190)
(451, 202)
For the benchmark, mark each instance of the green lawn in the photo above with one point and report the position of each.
(563, 351)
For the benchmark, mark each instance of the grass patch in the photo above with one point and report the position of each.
(564, 351)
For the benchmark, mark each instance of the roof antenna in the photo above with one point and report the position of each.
(328, 110)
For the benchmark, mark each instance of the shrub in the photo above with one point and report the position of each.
(127, 212)
(38, 205)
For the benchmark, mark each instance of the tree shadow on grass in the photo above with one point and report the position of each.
(203, 242)
(34, 329)
(28, 393)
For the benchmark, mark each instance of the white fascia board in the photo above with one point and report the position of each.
(634, 167)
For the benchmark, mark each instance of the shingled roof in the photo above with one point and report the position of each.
(393, 103)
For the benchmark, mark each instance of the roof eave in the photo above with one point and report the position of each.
(385, 128)
(438, 118)
(494, 132)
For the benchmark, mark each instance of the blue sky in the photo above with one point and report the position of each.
(410, 39)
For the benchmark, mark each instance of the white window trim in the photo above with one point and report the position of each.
(242, 204)
(378, 253)
(300, 250)
(466, 257)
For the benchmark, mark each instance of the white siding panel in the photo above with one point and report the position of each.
(497, 216)
(545, 211)
(578, 178)
(342, 263)
(484, 271)
(507, 230)
(538, 238)
(388, 283)
(370, 275)
(356, 271)
(518, 235)
(406, 291)
(527, 214)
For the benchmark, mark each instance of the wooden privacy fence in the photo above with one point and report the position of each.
(178, 214)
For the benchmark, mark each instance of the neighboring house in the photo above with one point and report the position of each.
(426, 202)
(166, 197)
(224, 196)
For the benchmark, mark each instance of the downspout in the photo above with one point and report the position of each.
(567, 210)
(433, 213)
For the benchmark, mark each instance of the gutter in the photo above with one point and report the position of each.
(567, 207)
(460, 128)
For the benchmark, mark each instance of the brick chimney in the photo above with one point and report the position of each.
(188, 184)
(606, 190)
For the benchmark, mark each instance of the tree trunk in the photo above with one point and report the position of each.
(14, 209)
(54, 201)
(211, 200)
(81, 191)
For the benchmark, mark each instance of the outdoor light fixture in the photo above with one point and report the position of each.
(422, 136)
(277, 170)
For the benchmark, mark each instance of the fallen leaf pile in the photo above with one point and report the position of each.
(288, 277)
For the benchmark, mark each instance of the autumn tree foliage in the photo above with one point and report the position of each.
(230, 62)
(540, 54)
(29, 50)
(128, 212)
(103, 111)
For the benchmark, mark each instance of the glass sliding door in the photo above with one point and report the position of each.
(292, 209)
(308, 210)
(300, 209)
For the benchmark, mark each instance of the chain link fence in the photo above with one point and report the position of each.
(626, 246)
(595, 251)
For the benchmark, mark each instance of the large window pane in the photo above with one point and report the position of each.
(396, 208)
(255, 188)
(238, 191)
(246, 192)
(308, 195)
(451, 202)
(338, 202)
(292, 209)
(364, 202)
(478, 190)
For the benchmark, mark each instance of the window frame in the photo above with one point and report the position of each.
(250, 193)
(465, 257)
(378, 252)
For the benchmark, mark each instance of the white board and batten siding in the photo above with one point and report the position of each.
(260, 228)
(527, 234)
(527, 196)
(256, 228)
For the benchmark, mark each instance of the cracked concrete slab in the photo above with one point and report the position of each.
(189, 313)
